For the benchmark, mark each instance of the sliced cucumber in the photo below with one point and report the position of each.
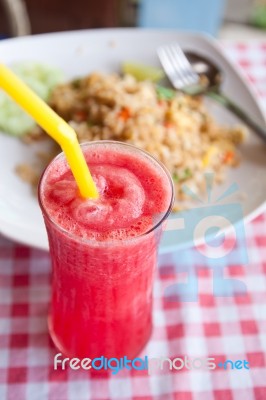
(41, 79)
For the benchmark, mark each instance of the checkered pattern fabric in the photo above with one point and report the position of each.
(232, 327)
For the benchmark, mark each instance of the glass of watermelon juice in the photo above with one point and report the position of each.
(104, 251)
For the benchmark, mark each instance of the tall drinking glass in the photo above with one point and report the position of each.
(104, 252)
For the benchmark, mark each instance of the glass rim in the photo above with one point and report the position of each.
(114, 241)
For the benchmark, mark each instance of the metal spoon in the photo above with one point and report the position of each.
(210, 86)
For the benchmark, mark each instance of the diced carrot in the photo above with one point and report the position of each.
(80, 115)
(229, 157)
(168, 124)
(124, 113)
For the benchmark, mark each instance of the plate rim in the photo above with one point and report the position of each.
(196, 36)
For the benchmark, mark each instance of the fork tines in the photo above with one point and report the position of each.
(177, 66)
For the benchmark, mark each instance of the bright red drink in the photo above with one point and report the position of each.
(104, 251)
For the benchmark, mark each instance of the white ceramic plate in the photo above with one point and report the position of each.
(78, 53)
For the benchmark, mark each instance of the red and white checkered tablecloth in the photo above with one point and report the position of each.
(231, 327)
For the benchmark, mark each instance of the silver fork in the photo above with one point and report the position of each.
(182, 76)
(176, 66)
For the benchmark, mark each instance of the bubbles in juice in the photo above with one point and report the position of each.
(132, 189)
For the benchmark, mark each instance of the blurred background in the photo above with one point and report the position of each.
(222, 18)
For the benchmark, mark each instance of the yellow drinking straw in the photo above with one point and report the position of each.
(54, 125)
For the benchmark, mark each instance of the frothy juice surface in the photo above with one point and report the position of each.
(104, 251)
(133, 191)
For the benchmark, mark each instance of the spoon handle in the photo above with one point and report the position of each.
(231, 106)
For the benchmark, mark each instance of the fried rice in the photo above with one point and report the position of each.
(179, 130)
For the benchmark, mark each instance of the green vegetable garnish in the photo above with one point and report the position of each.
(187, 173)
(175, 177)
(164, 93)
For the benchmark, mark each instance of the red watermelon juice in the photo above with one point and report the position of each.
(104, 251)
